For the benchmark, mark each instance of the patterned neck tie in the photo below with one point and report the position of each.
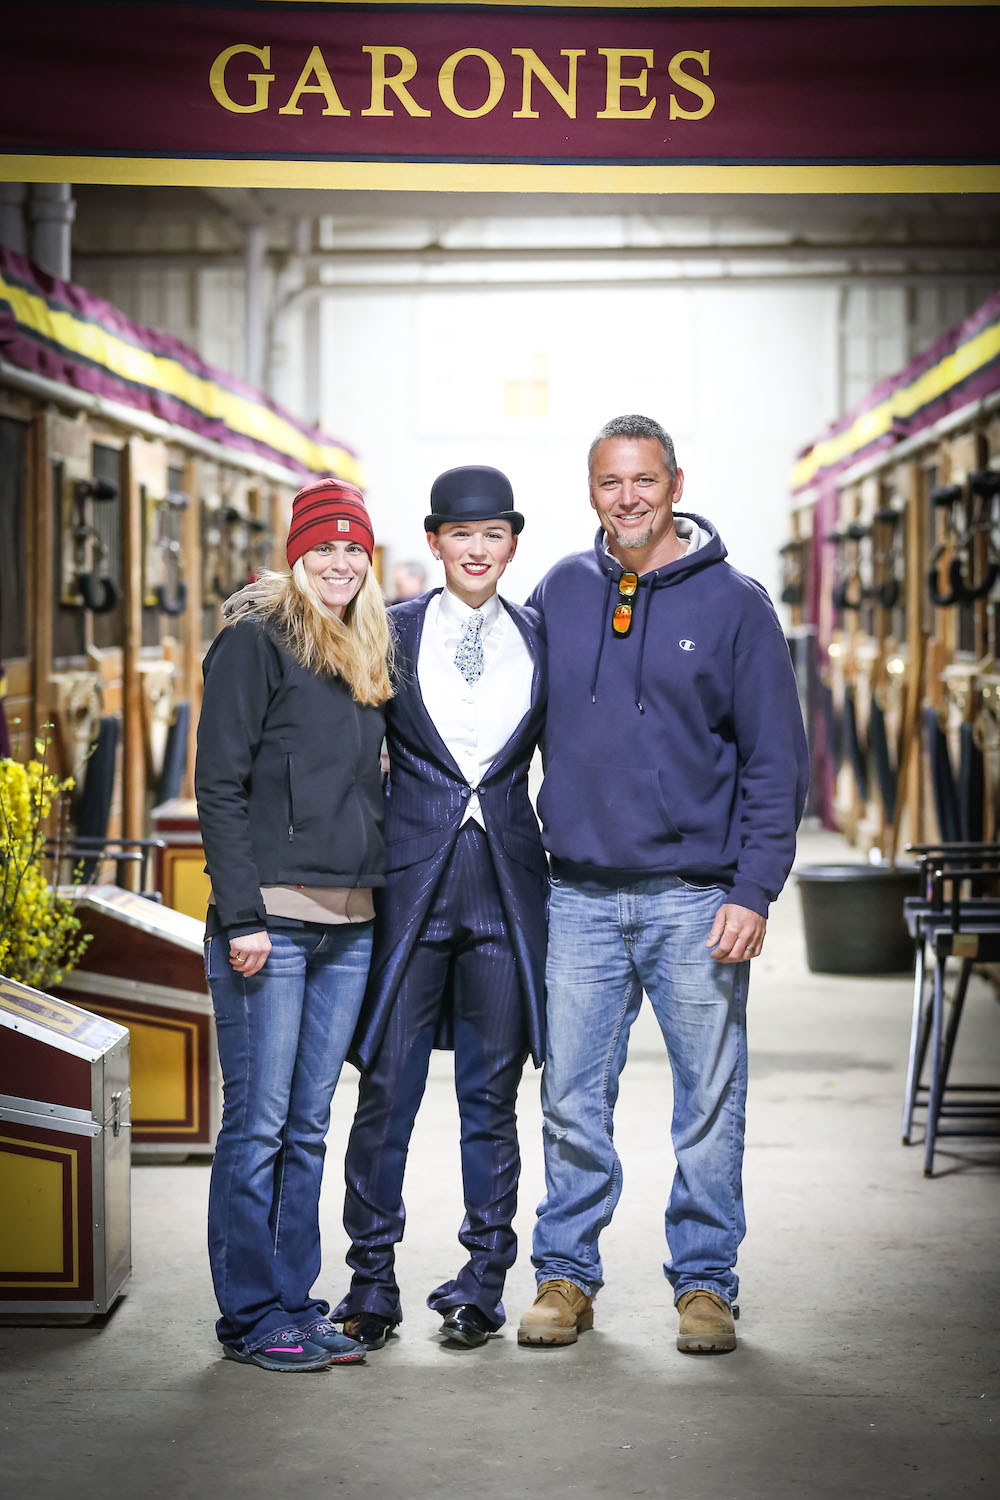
(469, 656)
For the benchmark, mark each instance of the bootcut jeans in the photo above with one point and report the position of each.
(605, 948)
(283, 1034)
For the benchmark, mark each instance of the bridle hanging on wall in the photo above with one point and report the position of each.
(886, 557)
(170, 601)
(99, 592)
(792, 556)
(230, 541)
(792, 572)
(981, 520)
(260, 543)
(971, 513)
(848, 591)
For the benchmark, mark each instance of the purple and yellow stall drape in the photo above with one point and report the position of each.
(60, 331)
(962, 366)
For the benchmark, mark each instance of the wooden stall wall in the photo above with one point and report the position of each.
(118, 550)
(893, 561)
(138, 487)
(16, 574)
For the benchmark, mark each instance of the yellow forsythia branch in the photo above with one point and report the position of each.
(40, 935)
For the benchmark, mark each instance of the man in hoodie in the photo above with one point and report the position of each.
(675, 777)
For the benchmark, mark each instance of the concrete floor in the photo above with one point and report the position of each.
(868, 1363)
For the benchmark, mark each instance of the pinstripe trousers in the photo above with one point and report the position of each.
(462, 958)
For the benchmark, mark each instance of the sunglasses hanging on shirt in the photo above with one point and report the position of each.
(621, 620)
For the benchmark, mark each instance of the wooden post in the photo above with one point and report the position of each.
(133, 754)
(278, 519)
(911, 771)
(909, 740)
(192, 635)
(41, 540)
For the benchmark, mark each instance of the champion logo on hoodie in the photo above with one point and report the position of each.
(686, 645)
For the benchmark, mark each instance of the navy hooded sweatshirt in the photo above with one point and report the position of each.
(679, 748)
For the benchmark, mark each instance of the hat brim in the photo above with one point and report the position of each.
(513, 517)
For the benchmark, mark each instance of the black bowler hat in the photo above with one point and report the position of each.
(474, 492)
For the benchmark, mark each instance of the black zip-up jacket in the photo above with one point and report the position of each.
(287, 776)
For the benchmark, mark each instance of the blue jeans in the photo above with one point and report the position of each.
(605, 948)
(283, 1034)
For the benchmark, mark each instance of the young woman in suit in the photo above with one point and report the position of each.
(460, 928)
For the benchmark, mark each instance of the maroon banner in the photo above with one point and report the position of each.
(651, 87)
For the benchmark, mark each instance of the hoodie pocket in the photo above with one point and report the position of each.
(614, 816)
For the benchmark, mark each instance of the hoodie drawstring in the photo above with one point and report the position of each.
(600, 643)
(642, 644)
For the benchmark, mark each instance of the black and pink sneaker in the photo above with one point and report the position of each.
(340, 1349)
(286, 1350)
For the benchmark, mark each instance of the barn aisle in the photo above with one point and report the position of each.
(867, 1364)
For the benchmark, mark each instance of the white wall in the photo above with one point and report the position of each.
(739, 376)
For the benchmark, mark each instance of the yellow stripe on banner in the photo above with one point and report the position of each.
(870, 425)
(159, 372)
(505, 177)
(675, 4)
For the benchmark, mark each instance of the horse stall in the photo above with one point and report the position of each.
(893, 564)
(140, 487)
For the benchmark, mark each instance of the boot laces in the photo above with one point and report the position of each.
(565, 1288)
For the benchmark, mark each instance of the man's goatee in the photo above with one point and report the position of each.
(633, 541)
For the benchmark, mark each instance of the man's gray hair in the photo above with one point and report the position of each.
(634, 426)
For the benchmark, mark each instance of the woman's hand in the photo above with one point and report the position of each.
(248, 952)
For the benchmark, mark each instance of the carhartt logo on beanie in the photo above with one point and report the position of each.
(328, 510)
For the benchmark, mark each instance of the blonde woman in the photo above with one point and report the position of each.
(290, 804)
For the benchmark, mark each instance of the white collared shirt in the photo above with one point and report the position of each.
(475, 720)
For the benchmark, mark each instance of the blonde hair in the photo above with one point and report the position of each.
(357, 648)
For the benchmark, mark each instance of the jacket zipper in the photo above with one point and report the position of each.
(291, 803)
(359, 738)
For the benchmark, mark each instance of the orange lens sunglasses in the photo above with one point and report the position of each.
(621, 620)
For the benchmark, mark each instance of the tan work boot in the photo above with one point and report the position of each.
(557, 1315)
(706, 1324)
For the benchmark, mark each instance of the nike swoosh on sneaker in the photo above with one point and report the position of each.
(287, 1349)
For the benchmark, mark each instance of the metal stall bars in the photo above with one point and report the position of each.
(65, 1231)
(144, 968)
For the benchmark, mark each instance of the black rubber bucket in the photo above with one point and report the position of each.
(853, 918)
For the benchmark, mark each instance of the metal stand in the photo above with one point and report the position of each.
(952, 920)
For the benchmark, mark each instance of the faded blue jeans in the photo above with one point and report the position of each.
(605, 948)
(283, 1034)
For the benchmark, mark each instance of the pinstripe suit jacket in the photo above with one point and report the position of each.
(425, 801)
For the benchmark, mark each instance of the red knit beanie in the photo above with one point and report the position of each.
(328, 510)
